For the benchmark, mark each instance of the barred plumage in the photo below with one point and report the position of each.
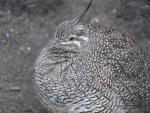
(92, 69)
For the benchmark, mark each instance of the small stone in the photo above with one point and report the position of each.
(7, 35)
(12, 30)
(21, 48)
(4, 41)
(114, 10)
(29, 48)
(15, 88)
(95, 20)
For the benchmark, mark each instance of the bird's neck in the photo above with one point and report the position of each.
(59, 58)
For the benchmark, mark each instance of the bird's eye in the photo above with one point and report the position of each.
(71, 38)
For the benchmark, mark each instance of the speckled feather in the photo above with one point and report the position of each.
(92, 69)
(107, 75)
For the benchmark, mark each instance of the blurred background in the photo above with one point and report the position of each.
(27, 25)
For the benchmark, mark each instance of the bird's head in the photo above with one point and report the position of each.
(71, 35)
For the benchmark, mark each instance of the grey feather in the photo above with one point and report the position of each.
(92, 69)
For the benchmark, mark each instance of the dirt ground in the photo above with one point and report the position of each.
(27, 25)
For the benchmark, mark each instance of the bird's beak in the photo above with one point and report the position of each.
(52, 43)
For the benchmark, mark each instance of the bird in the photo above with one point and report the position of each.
(92, 69)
